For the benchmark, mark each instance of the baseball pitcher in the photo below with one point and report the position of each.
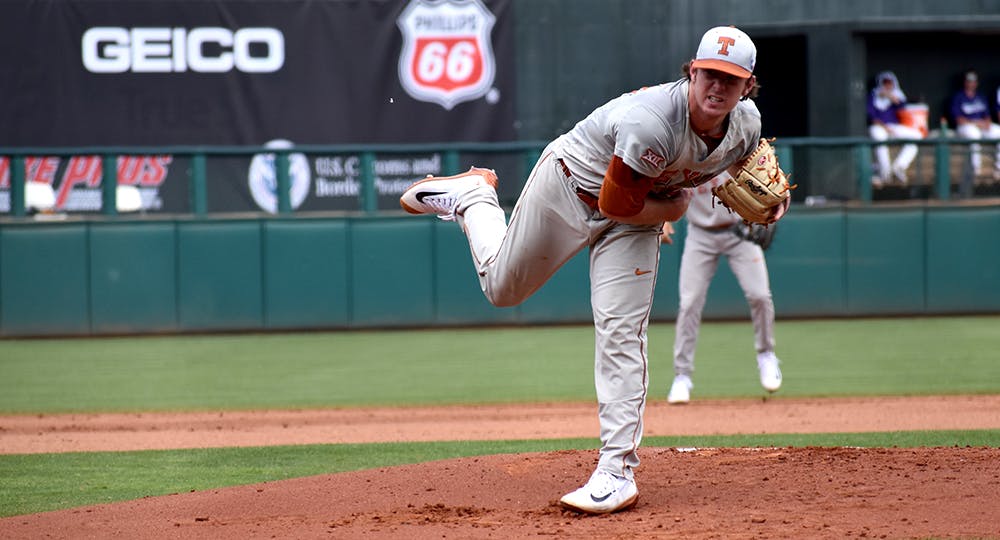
(608, 185)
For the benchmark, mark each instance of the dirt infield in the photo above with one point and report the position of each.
(949, 492)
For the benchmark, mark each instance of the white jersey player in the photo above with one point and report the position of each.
(971, 110)
(711, 234)
(885, 102)
(608, 185)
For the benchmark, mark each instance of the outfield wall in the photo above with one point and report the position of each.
(127, 275)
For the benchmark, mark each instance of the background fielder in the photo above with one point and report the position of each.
(711, 234)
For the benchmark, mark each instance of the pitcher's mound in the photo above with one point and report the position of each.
(683, 493)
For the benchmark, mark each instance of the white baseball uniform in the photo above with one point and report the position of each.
(884, 103)
(556, 217)
(710, 237)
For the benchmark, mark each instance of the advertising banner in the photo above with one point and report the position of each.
(131, 73)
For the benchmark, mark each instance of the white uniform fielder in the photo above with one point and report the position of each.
(907, 153)
(709, 238)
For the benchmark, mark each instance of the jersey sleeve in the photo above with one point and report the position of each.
(624, 190)
(638, 158)
(643, 141)
(752, 132)
(956, 107)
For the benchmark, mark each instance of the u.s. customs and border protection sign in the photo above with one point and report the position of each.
(447, 56)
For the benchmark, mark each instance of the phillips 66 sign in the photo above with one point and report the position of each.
(446, 57)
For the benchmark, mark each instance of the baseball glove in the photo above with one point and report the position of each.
(762, 235)
(759, 192)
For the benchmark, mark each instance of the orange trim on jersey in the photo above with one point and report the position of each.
(623, 191)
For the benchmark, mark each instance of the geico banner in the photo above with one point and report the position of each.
(111, 49)
(247, 72)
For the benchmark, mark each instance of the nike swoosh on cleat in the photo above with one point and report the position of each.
(641, 272)
(422, 194)
(600, 499)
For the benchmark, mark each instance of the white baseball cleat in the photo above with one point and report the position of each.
(680, 390)
(441, 194)
(770, 373)
(604, 493)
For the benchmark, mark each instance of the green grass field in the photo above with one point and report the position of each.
(906, 356)
(363, 368)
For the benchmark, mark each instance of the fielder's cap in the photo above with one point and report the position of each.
(971, 76)
(727, 49)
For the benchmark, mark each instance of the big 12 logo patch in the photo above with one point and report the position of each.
(447, 57)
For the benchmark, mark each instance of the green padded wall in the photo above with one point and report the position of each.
(963, 260)
(133, 277)
(392, 272)
(459, 298)
(219, 275)
(885, 254)
(807, 264)
(118, 276)
(306, 269)
(43, 280)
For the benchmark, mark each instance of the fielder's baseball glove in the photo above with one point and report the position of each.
(762, 235)
(759, 192)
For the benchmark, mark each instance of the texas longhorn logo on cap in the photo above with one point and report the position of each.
(447, 57)
(727, 49)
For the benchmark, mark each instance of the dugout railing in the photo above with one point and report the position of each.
(821, 166)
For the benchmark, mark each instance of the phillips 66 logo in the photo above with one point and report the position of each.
(447, 57)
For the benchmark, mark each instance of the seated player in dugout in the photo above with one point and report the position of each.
(608, 185)
(885, 108)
